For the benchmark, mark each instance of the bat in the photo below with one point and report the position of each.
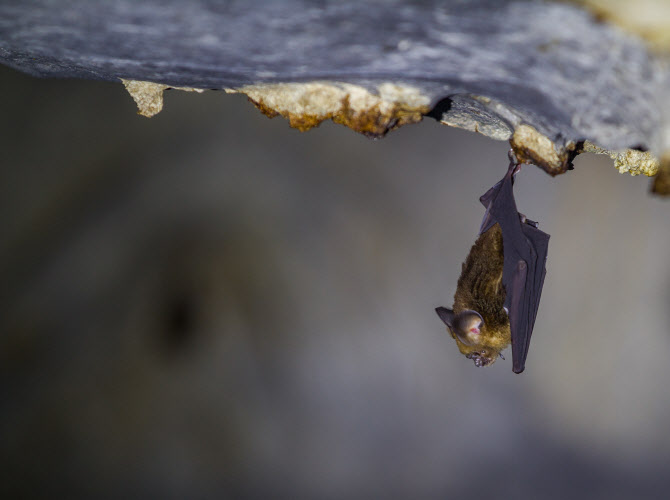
(498, 292)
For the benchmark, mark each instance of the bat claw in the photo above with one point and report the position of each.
(512, 157)
(526, 220)
(514, 163)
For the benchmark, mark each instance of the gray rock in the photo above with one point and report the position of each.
(486, 65)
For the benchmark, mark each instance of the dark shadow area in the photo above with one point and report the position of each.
(443, 106)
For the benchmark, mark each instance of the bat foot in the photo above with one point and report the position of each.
(514, 163)
(512, 157)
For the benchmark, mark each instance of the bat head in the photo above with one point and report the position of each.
(466, 325)
(484, 357)
(477, 341)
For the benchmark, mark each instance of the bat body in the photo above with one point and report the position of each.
(480, 290)
(499, 290)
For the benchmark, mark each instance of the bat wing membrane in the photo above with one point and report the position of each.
(524, 255)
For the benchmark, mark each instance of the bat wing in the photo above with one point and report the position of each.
(524, 256)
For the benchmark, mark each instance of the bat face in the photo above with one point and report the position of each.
(478, 321)
(499, 290)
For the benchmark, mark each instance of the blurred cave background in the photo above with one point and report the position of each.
(209, 304)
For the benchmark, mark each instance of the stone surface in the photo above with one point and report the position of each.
(551, 66)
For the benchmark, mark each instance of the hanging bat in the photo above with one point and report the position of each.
(499, 289)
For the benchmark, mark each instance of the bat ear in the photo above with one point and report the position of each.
(467, 326)
(446, 315)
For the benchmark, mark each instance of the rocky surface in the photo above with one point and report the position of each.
(489, 66)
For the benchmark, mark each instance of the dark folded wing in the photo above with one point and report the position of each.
(524, 254)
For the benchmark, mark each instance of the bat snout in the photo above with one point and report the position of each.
(481, 358)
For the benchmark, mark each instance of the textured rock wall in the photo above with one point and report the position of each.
(546, 75)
